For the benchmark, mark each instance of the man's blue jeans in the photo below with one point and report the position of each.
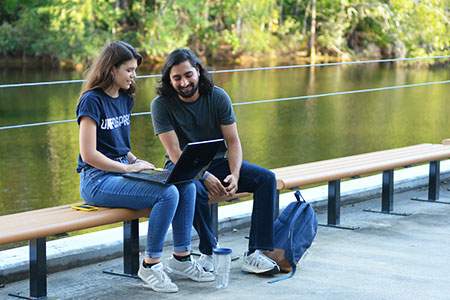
(254, 179)
(170, 204)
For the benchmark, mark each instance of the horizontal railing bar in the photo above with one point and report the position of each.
(242, 70)
(256, 102)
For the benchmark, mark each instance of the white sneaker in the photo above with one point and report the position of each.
(157, 279)
(259, 263)
(206, 262)
(190, 269)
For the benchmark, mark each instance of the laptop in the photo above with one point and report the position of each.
(194, 160)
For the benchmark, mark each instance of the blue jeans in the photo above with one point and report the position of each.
(252, 178)
(170, 204)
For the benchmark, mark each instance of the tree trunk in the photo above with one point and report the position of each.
(312, 49)
(280, 22)
(306, 17)
(297, 6)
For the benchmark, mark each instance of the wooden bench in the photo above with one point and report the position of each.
(334, 170)
(36, 225)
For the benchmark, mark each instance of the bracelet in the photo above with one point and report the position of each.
(206, 175)
(134, 160)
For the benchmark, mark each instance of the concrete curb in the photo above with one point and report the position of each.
(107, 244)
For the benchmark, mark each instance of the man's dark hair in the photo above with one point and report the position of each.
(178, 56)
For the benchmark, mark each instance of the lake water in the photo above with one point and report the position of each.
(37, 164)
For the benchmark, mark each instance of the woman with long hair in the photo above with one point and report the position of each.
(103, 115)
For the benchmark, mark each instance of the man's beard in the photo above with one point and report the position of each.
(188, 94)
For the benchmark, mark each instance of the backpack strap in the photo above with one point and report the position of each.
(294, 268)
(299, 196)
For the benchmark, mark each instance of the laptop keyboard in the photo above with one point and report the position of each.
(159, 176)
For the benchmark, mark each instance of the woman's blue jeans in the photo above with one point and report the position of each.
(170, 204)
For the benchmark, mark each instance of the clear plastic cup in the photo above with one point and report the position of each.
(222, 266)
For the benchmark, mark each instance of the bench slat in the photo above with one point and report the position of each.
(355, 158)
(303, 176)
(357, 161)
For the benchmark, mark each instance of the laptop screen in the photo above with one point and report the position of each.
(195, 159)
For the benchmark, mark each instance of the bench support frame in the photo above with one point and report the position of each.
(214, 209)
(334, 206)
(38, 271)
(130, 250)
(434, 181)
(334, 202)
(38, 261)
(387, 195)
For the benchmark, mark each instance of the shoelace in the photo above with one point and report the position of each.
(259, 258)
(197, 268)
(162, 276)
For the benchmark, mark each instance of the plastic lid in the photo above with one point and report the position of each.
(222, 251)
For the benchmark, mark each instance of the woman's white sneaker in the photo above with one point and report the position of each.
(259, 263)
(190, 269)
(157, 279)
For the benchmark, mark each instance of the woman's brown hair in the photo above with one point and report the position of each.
(99, 75)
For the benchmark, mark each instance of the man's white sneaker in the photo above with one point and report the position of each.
(190, 269)
(206, 262)
(157, 279)
(259, 263)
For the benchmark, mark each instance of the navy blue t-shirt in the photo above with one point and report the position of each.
(112, 116)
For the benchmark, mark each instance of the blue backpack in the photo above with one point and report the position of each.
(294, 231)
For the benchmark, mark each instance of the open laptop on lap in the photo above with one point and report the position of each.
(194, 160)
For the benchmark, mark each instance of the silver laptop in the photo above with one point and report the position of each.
(194, 160)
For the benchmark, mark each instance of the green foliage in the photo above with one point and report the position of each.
(424, 26)
(75, 30)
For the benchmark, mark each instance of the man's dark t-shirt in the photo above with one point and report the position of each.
(194, 121)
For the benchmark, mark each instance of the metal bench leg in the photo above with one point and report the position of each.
(387, 195)
(131, 247)
(334, 202)
(130, 250)
(334, 205)
(434, 181)
(277, 205)
(38, 268)
(38, 271)
(214, 208)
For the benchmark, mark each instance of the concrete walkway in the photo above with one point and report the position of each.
(388, 257)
